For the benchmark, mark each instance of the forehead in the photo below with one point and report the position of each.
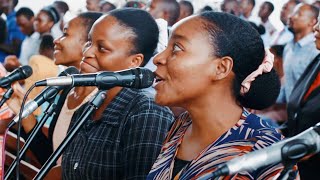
(109, 27)
(74, 23)
(191, 28)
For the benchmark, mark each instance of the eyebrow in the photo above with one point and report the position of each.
(177, 36)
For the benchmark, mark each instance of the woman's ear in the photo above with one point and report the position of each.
(223, 67)
(136, 60)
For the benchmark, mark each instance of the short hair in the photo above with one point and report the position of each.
(61, 6)
(206, 8)
(314, 11)
(88, 19)
(3, 30)
(236, 38)
(260, 28)
(188, 5)
(144, 27)
(24, 11)
(52, 13)
(46, 42)
(270, 6)
(173, 8)
(15, 2)
(253, 2)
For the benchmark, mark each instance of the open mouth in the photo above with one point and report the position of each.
(157, 80)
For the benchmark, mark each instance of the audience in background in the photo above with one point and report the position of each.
(186, 9)
(284, 36)
(30, 45)
(14, 35)
(106, 6)
(231, 6)
(93, 5)
(264, 13)
(168, 10)
(246, 7)
(135, 4)
(3, 36)
(299, 52)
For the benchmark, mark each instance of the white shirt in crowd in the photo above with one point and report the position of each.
(29, 47)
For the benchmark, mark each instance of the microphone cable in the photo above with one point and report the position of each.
(19, 129)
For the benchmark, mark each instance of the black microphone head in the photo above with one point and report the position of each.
(26, 71)
(69, 71)
(20, 73)
(146, 78)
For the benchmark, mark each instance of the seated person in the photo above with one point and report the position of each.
(215, 70)
(123, 137)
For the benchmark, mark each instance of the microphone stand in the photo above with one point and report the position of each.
(49, 111)
(95, 103)
(6, 96)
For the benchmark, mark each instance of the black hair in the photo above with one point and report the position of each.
(24, 11)
(236, 38)
(52, 13)
(253, 2)
(144, 27)
(314, 11)
(188, 5)
(88, 18)
(61, 6)
(261, 29)
(173, 8)
(46, 42)
(206, 8)
(270, 6)
(3, 30)
(278, 50)
(15, 2)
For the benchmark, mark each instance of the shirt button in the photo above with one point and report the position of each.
(75, 165)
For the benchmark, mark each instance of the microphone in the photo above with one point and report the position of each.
(45, 95)
(20, 73)
(294, 148)
(134, 78)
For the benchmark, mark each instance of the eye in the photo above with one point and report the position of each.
(176, 48)
(103, 49)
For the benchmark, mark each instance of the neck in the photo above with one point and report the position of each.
(213, 115)
(299, 35)
(247, 14)
(264, 20)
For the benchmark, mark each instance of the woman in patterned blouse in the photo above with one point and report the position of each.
(215, 66)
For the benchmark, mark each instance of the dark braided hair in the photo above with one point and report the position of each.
(236, 38)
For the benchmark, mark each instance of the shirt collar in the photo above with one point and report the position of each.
(306, 40)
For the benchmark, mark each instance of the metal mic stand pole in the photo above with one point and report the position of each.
(49, 111)
(95, 103)
(6, 96)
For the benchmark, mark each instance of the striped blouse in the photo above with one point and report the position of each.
(248, 134)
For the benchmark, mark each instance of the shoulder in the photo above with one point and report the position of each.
(142, 106)
(263, 134)
(144, 101)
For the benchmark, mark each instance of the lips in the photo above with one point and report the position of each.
(158, 79)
